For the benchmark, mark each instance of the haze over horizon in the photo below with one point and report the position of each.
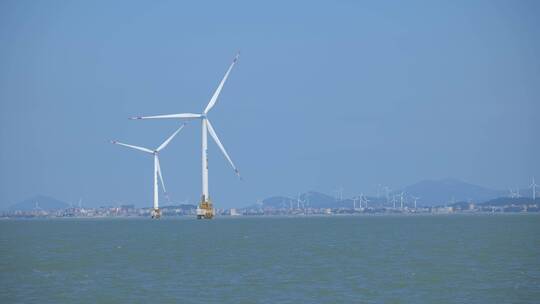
(324, 95)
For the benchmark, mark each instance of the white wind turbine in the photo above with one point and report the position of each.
(365, 200)
(156, 213)
(355, 199)
(339, 194)
(533, 186)
(301, 201)
(517, 195)
(306, 199)
(205, 209)
(415, 198)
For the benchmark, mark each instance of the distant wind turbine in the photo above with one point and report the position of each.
(533, 186)
(307, 199)
(339, 194)
(365, 200)
(355, 199)
(415, 199)
(156, 213)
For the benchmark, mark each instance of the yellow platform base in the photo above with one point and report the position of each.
(208, 210)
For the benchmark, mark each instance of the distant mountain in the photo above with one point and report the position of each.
(319, 200)
(39, 202)
(276, 202)
(439, 192)
(431, 193)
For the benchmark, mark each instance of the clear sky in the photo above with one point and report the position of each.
(325, 94)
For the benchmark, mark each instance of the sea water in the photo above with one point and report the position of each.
(334, 259)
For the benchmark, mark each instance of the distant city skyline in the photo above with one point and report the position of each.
(337, 94)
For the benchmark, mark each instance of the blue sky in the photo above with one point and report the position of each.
(325, 94)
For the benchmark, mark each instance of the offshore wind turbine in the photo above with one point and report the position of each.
(205, 209)
(156, 213)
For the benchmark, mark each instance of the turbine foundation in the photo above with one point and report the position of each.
(205, 210)
(156, 213)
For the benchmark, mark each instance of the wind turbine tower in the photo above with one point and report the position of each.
(533, 186)
(205, 209)
(415, 199)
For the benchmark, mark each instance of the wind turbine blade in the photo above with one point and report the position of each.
(166, 142)
(160, 176)
(181, 116)
(216, 139)
(132, 147)
(218, 90)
